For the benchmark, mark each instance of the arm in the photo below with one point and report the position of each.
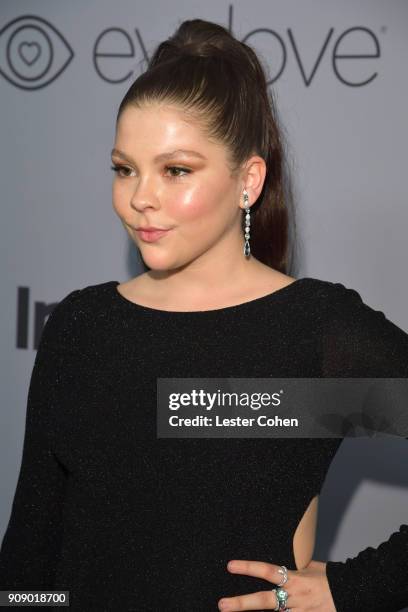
(31, 543)
(376, 579)
(360, 341)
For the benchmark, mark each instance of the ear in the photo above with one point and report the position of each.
(254, 177)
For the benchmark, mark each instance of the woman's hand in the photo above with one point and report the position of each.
(308, 588)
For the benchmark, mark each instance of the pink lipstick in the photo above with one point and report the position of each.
(151, 235)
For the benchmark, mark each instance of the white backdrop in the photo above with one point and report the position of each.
(339, 72)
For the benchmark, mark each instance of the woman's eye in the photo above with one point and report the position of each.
(118, 170)
(178, 169)
(124, 171)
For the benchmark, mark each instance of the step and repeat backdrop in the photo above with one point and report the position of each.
(339, 73)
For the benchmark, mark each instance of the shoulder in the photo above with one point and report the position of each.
(333, 294)
(357, 338)
(85, 297)
(344, 303)
(78, 306)
(345, 306)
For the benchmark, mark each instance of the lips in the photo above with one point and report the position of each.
(151, 235)
(151, 229)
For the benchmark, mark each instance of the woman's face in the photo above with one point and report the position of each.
(171, 176)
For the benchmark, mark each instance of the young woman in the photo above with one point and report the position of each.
(124, 519)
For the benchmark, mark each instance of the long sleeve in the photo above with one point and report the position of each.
(31, 543)
(360, 341)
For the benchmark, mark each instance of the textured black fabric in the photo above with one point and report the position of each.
(361, 342)
(127, 521)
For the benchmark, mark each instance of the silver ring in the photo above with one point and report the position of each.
(281, 597)
(276, 608)
(283, 570)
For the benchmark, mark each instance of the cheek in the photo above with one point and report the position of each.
(118, 198)
(194, 205)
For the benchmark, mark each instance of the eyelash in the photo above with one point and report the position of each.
(117, 168)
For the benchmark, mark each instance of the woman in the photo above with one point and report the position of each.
(127, 520)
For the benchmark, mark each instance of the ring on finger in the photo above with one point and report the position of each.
(284, 571)
(281, 597)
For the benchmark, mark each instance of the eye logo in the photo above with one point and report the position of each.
(34, 52)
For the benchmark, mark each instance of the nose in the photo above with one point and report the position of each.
(144, 196)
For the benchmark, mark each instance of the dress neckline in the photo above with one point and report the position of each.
(243, 306)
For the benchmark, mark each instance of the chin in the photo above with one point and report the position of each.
(155, 262)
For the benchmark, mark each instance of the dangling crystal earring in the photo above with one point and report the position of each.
(247, 248)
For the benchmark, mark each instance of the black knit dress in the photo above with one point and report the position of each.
(125, 520)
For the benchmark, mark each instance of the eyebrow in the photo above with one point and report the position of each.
(161, 156)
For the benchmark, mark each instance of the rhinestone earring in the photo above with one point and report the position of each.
(247, 248)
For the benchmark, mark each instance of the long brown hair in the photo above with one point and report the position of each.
(221, 82)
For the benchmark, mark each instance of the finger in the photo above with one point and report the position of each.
(259, 569)
(261, 600)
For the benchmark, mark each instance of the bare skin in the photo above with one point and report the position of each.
(304, 538)
(147, 292)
